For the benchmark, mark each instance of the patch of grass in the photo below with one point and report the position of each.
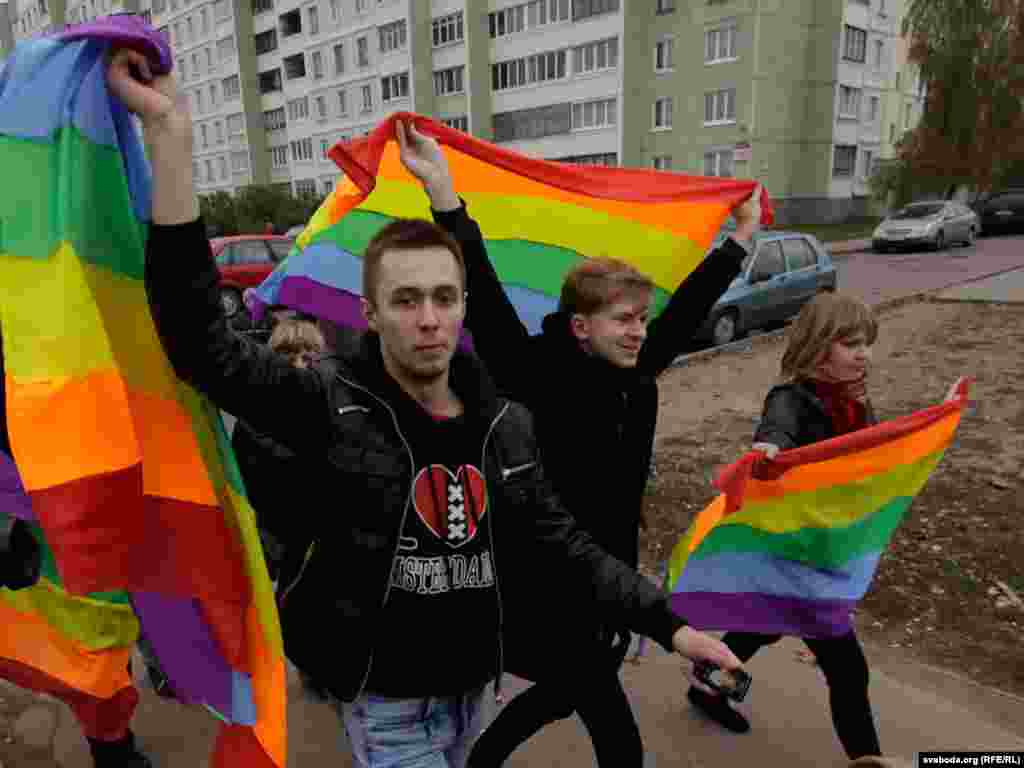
(852, 229)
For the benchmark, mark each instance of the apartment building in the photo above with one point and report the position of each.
(805, 95)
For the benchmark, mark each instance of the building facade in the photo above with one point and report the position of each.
(805, 95)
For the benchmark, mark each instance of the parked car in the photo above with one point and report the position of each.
(931, 223)
(784, 272)
(244, 262)
(1001, 212)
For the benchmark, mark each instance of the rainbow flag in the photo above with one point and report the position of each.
(538, 218)
(127, 470)
(794, 554)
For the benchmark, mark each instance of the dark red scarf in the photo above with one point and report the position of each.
(843, 404)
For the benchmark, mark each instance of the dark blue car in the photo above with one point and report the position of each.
(785, 271)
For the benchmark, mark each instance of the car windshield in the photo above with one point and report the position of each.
(920, 211)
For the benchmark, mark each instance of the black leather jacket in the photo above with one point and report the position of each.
(332, 612)
(794, 416)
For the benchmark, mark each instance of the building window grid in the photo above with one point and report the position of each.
(661, 162)
(855, 41)
(279, 157)
(339, 58)
(274, 119)
(849, 102)
(231, 88)
(663, 113)
(394, 87)
(392, 37)
(449, 81)
(844, 160)
(538, 13)
(298, 109)
(720, 162)
(596, 57)
(367, 91)
(448, 29)
(596, 113)
(460, 123)
(720, 44)
(317, 64)
(516, 73)
(720, 107)
(302, 150)
(663, 55)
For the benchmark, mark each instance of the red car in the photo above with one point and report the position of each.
(244, 262)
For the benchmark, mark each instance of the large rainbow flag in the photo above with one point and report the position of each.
(128, 472)
(538, 218)
(794, 554)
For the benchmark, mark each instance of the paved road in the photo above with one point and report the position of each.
(878, 277)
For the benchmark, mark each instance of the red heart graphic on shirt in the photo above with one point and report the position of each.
(451, 506)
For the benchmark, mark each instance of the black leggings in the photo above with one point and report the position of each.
(595, 693)
(846, 671)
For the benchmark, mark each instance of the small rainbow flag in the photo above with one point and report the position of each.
(794, 554)
(127, 470)
(538, 218)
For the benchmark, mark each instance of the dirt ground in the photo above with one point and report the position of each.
(948, 589)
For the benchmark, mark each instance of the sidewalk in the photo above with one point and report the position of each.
(841, 248)
(917, 707)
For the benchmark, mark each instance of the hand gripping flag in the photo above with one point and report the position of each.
(794, 554)
(538, 218)
(127, 471)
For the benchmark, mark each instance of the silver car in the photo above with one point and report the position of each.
(929, 223)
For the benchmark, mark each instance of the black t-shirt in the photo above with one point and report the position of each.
(439, 632)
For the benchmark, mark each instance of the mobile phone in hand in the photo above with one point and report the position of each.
(732, 684)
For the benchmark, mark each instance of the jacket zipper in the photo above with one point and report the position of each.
(401, 525)
(494, 564)
(298, 577)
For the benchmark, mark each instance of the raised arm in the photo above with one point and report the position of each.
(692, 301)
(238, 375)
(499, 336)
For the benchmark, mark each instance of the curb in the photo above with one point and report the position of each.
(887, 305)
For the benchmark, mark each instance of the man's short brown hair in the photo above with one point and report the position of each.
(595, 283)
(406, 235)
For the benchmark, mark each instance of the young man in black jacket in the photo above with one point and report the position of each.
(590, 380)
(434, 496)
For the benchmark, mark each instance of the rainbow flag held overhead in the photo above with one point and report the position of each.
(127, 471)
(794, 554)
(538, 218)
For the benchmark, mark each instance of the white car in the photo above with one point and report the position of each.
(930, 223)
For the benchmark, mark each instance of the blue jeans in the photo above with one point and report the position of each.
(412, 733)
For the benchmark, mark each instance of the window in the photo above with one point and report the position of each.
(279, 157)
(392, 36)
(663, 112)
(209, 170)
(321, 107)
(305, 188)
(213, 95)
(798, 254)
(608, 159)
(298, 109)
(719, 162)
(313, 16)
(448, 29)
(328, 186)
(220, 132)
(262, 6)
(294, 66)
(199, 101)
(182, 71)
(222, 161)
(191, 29)
(236, 124)
(367, 98)
(339, 58)
(879, 53)
(266, 42)
(844, 160)
(661, 162)
(302, 150)
(539, 68)
(274, 120)
(594, 114)
(362, 52)
(584, 9)
(720, 107)
(720, 44)
(665, 6)
(594, 57)
(221, 10)
(769, 261)
(204, 22)
(159, 6)
(231, 88)
(507, 21)
(361, 6)
(317, 59)
(176, 37)
(448, 81)
(209, 59)
(869, 159)
(342, 104)
(855, 44)
(395, 87)
(250, 252)
(196, 74)
(270, 81)
(458, 123)
(291, 23)
(204, 133)
(873, 109)
(226, 49)
(849, 102)
(324, 146)
(542, 12)
(663, 55)
(533, 123)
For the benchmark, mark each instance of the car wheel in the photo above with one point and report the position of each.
(940, 241)
(231, 301)
(972, 236)
(725, 328)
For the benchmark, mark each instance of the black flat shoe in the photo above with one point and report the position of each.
(718, 709)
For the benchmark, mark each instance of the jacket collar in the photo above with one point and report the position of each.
(595, 370)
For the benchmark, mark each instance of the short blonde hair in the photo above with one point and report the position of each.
(297, 339)
(827, 318)
(595, 283)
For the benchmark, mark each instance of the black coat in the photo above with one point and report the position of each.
(595, 422)
(794, 416)
(340, 414)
